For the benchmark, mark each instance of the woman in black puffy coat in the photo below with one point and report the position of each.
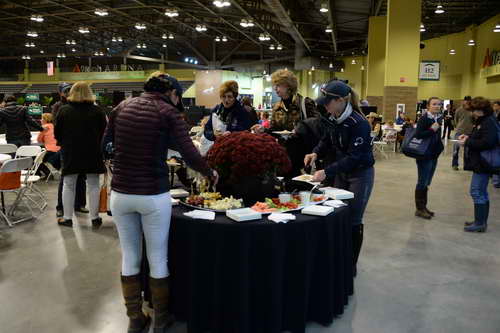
(484, 137)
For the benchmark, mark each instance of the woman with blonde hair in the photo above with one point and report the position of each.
(348, 139)
(229, 116)
(79, 130)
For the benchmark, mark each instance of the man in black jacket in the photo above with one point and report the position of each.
(17, 119)
(81, 186)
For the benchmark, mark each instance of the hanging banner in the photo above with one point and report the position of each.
(50, 68)
(430, 70)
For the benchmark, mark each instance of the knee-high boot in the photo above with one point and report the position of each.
(160, 294)
(138, 321)
(357, 242)
(424, 198)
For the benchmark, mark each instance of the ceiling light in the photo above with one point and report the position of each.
(96, 53)
(164, 45)
(32, 34)
(331, 65)
(29, 44)
(140, 26)
(271, 47)
(171, 12)
(186, 59)
(201, 27)
(144, 46)
(101, 12)
(313, 68)
(268, 78)
(101, 53)
(341, 70)
(422, 27)
(119, 39)
(196, 62)
(328, 29)
(171, 36)
(471, 42)
(439, 9)
(247, 23)
(42, 51)
(262, 37)
(280, 47)
(113, 39)
(221, 4)
(217, 39)
(224, 39)
(353, 61)
(324, 7)
(73, 50)
(497, 28)
(164, 36)
(453, 52)
(83, 30)
(68, 42)
(362, 67)
(37, 18)
(139, 46)
(73, 42)
(61, 55)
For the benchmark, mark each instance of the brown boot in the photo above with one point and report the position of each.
(419, 203)
(138, 321)
(160, 294)
(431, 213)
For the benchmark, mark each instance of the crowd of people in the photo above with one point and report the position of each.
(330, 137)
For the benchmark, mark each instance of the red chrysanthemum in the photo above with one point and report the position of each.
(243, 154)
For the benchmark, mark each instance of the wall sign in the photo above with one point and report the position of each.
(430, 70)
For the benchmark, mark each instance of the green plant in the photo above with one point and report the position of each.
(46, 100)
(21, 100)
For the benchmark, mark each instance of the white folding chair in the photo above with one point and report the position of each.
(53, 172)
(14, 166)
(8, 148)
(28, 151)
(33, 193)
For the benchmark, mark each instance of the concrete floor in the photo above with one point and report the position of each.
(415, 276)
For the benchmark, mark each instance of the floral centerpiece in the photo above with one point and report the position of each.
(248, 164)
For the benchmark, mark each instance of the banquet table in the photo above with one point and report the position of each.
(259, 276)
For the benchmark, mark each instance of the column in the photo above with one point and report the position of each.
(402, 57)
(376, 61)
(469, 58)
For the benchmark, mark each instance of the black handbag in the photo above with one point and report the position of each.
(416, 148)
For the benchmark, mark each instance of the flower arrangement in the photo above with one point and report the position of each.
(242, 154)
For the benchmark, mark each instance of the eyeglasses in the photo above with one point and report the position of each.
(335, 97)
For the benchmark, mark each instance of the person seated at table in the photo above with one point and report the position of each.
(374, 121)
(265, 120)
(348, 137)
(17, 119)
(400, 120)
(229, 116)
(141, 130)
(46, 137)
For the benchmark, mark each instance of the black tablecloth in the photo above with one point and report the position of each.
(259, 276)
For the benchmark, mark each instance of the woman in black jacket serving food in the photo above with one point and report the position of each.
(348, 139)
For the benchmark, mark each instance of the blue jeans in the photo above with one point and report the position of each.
(456, 151)
(479, 187)
(361, 184)
(138, 214)
(426, 169)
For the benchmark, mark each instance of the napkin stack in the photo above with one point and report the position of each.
(201, 214)
(334, 203)
(281, 217)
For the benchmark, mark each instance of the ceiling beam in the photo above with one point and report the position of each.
(331, 20)
(378, 6)
(257, 23)
(231, 52)
(226, 22)
(286, 21)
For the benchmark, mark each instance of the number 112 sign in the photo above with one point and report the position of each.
(430, 70)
